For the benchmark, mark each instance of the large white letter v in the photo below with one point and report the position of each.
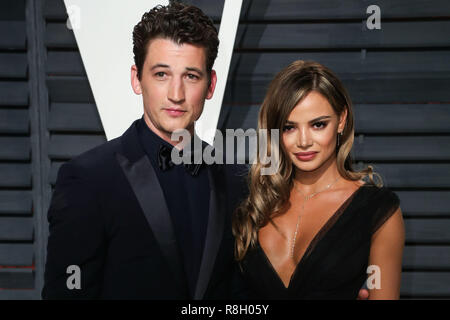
(103, 34)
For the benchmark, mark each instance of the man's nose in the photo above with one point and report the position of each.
(304, 138)
(176, 91)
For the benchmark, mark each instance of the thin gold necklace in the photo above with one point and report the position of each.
(306, 197)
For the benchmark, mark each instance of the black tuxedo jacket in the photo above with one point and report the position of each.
(108, 216)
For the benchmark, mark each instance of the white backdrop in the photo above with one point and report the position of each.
(103, 31)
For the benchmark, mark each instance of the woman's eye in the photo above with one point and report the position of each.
(288, 128)
(320, 125)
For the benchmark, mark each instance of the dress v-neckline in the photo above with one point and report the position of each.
(315, 240)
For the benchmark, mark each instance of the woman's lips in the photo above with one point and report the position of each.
(305, 156)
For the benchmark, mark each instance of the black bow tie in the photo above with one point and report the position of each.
(165, 161)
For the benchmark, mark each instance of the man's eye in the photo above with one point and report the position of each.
(192, 76)
(320, 125)
(160, 74)
(288, 128)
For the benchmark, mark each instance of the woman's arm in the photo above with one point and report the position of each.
(386, 252)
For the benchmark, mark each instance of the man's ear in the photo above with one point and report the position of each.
(212, 85)
(135, 83)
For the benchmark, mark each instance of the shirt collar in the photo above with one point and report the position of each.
(152, 142)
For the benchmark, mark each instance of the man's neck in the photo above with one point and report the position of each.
(166, 136)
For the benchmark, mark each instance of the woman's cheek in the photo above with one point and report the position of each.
(325, 138)
(288, 141)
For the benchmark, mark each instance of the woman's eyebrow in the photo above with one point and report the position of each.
(320, 118)
(311, 121)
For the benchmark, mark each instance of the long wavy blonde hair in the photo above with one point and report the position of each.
(269, 194)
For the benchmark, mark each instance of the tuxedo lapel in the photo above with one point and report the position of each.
(145, 185)
(214, 233)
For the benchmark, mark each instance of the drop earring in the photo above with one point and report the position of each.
(339, 135)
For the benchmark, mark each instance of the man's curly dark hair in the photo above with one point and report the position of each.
(180, 23)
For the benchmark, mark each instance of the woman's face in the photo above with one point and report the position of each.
(310, 132)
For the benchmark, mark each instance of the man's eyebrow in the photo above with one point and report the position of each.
(159, 65)
(195, 69)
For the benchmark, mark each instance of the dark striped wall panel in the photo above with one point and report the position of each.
(13, 65)
(17, 223)
(425, 257)
(70, 117)
(307, 10)
(15, 202)
(16, 254)
(12, 35)
(10, 11)
(302, 10)
(425, 203)
(398, 78)
(14, 121)
(14, 148)
(14, 93)
(19, 279)
(425, 284)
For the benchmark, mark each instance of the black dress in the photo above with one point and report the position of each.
(334, 264)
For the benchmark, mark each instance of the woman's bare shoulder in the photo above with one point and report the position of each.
(351, 186)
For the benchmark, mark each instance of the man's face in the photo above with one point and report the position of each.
(174, 85)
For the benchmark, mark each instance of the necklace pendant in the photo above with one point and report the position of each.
(306, 197)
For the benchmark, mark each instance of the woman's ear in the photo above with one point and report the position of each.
(342, 120)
